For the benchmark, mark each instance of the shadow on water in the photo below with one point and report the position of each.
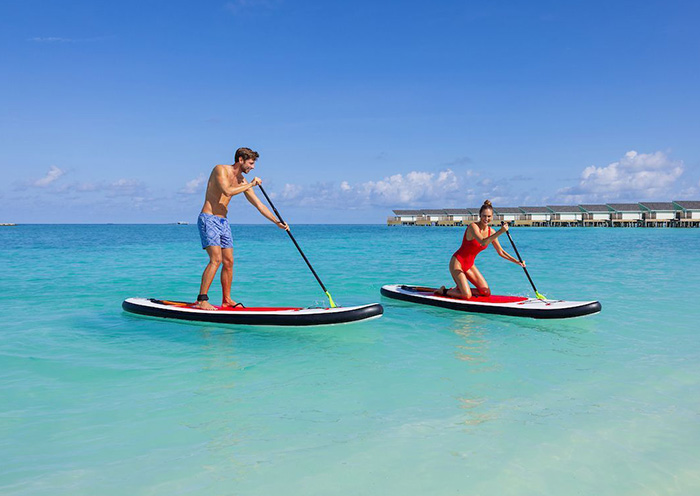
(560, 327)
(128, 326)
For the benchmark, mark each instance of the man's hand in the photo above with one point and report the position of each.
(282, 225)
(256, 182)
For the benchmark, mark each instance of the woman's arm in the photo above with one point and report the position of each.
(485, 240)
(504, 254)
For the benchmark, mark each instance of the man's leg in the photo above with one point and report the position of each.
(227, 276)
(214, 253)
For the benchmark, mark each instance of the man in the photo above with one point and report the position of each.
(225, 182)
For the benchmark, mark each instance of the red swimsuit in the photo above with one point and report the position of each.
(468, 251)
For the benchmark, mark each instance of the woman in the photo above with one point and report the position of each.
(476, 239)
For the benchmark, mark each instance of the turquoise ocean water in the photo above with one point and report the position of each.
(423, 401)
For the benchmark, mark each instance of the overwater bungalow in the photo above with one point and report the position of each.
(566, 215)
(512, 215)
(626, 214)
(461, 216)
(404, 217)
(432, 217)
(595, 215)
(538, 216)
(658, 214)
(688, 213)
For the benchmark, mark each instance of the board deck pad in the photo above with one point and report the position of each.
(193, 306)
(517, 306)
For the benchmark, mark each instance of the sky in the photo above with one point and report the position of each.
(118, 111)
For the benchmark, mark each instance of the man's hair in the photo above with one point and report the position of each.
(246, 153)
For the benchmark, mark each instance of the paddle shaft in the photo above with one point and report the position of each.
(295, 242)
(521, 261)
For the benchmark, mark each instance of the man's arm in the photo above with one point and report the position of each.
(255, 201)
(228, 190)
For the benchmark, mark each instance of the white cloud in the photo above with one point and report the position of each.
(409, 189)
(86, 187)
(59, 39)
(691, 191)
(125, 187)
(193, 186)
(119, 188)
(53, 174)
(414, 189)
(635, 177)
(289, 192)
(50, 39)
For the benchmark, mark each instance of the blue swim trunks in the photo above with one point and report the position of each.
(214, 231)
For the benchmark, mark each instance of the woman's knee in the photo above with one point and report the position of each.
(484, 291)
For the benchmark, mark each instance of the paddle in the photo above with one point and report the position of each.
(330, 298)
(537, 293)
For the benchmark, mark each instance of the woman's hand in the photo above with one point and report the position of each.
(504, 226)
(522, 264)
(282, 225)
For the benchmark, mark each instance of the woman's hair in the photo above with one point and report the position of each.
(486, 206)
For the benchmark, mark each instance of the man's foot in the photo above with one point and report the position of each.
(228, 303)
(204, 305)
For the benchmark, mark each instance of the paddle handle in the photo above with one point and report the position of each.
(297, 245)
(521, 261)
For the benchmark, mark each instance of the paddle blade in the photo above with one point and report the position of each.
(540, 296)
(330, 298)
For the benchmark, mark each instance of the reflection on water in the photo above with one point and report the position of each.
(472, 349)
